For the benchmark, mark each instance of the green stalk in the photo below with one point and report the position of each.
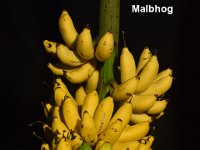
(109, 21)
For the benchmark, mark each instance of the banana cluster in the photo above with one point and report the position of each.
(81, 120)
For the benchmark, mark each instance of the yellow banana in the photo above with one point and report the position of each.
(105, 47)
(90, 103)
(134, 132)
(158, 116)
(99, 143)
(103, 114)
(81, 74)
(146, 143)
(67, 56)
(147, 74)
(47, 108)
(127, 65)
(67, 29)
(75, 140)
(159, 87)
(84, 44)
(80, 95)
(123, 113)
(163, 73)
(59, 96)
(56, 113)
(45, 146)
(144, 57)
(158, 107)
(63, 144)
(130, 145)
(58, 127)
(112, 132)
(92, 82)
(141, 103)
(124, 90)
(50, 47)
(87, 129)
(70, 114)
(105, 146)
(139, 118)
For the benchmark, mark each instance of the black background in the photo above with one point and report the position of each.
(25, 24)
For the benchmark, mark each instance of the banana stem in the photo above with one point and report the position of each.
(109, 21)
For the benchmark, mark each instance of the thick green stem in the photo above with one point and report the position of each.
(109, 21)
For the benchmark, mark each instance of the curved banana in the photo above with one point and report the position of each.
(141, 103)
(47, 108)
(84, 44)
(92, 82)
(50, 47)
(139, 118)
(144, 57)
(80, 95)
(90, 103)
(67, 29)
(158, 107)
(105, 146)
(146, 143)
(158, 116)
(45, 146)
(63, 144)
(159, 87)
(130, 145)
(134, 132)
(67, 56)
(163, 73)
(59, 96)
(87, 129)
(147, 74)
(123, 113)
(127, 65)
(81, 74)
(103, 114)
(105, 47)
(70, 114)
(124, 90)
(112, 132)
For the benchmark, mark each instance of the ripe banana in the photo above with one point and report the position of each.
(159, 87)
(158, 107)
(144, 58)
(139, 118)
(84, 44)
(45, 146)
(105, 47)
(59, 96)
(75, 140)
(112, 132)
(81, 74)
(124, 90)
(63, 144)
(67, 56)
(141, 103)
(134, 132)
(130, 145)
(146, 143)
(103, 114)
(90, 103)
(127, 65)
(92, 82)
(163, 73)
(106, 146)
(87, 129)
(70, 114)
(80, 95)
(147, 74)
(56, 113)
(50, 47)
(67, 29)
(123, 113)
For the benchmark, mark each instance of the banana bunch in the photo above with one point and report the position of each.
(78, 119)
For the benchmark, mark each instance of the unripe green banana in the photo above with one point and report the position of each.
(85, 146)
